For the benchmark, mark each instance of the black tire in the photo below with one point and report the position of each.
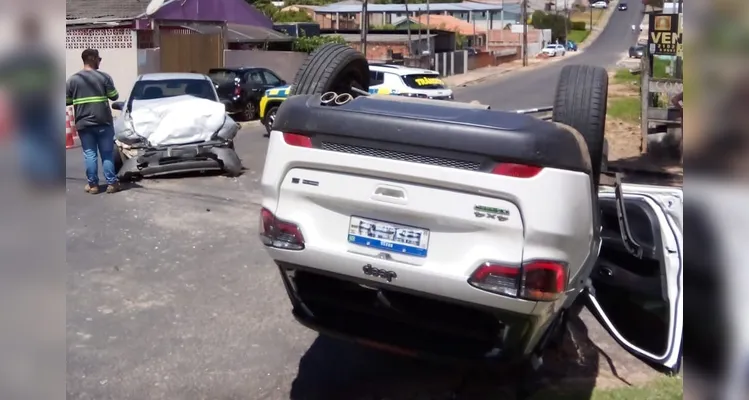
(249, 112)
(269, 118)
(580, 103)
(332, 68)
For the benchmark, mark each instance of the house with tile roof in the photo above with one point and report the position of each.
(179, 36)
(475, 34)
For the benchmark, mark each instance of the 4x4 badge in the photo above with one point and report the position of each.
(498, 214)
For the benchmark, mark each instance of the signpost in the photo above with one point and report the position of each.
(664, 37)
(659, 117)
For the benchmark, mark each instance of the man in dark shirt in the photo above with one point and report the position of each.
(89, 92)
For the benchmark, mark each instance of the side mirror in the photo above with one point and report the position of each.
(118, 105)
(282, 83)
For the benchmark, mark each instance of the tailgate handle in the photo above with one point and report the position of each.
(390, 194)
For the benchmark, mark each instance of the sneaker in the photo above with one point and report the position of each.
(92, 189)
(113, 188)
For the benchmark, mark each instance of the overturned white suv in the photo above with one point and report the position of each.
(444, 228)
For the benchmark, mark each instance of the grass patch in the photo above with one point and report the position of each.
(625, 108)
(661, 389)
(659, 68)
(584, 16)
(577, 36)
(623, 76)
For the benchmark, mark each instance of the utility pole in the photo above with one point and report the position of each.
(679, 72)
(590, 25)
(364, 26)
(408, 29)
(429, 40)
(525, 32)
(566, 21)
(502, 28)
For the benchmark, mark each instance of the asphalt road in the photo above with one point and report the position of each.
(171, 296)
(535, 88)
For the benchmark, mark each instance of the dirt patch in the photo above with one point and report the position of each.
(625, 138)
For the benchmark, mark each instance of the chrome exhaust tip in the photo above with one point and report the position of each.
(343, 98)
(328, 98)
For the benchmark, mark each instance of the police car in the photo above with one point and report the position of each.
(407, 81)
(383, 79)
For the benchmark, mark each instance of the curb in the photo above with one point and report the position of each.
(602, 22)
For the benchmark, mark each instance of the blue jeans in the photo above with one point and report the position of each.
(102, 138)
(41, 155)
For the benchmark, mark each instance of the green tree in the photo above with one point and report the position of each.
(308, 44)
(292, 16)
(264, 6)
(542, 20)
(460, 41)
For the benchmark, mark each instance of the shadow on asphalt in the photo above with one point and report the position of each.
(334, 369)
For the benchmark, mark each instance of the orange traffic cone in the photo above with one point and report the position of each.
(70, 131)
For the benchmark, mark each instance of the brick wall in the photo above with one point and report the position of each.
(484, 59)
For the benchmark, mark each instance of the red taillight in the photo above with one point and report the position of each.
(278, 233)
(543, 280)
(516, 170)
(497, 278)
(237, 90)
(294, 139)
(538, 280)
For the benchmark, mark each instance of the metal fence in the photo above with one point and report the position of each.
(451, 63)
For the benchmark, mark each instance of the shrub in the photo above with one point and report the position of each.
(578, 26)
(308, 44)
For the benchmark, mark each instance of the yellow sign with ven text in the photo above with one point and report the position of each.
(664, 38)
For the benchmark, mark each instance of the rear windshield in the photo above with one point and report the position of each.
(424, 81)
(222, 75)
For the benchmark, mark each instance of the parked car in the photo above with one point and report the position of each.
(243, 88)
(174, 122)
(553, 50)
(571, 46)
(383, 79)
(636, 51)
(622, 7)
(600, 4)
(424, 227)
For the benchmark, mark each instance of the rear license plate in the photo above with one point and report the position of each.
(388, 236)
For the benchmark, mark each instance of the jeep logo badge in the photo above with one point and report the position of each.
(379, 273)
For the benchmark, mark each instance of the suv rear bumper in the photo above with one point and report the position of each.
(406, 321)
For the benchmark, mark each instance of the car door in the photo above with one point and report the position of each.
(271, 80)
(636, 288)
(254, 84)
(376, 81)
